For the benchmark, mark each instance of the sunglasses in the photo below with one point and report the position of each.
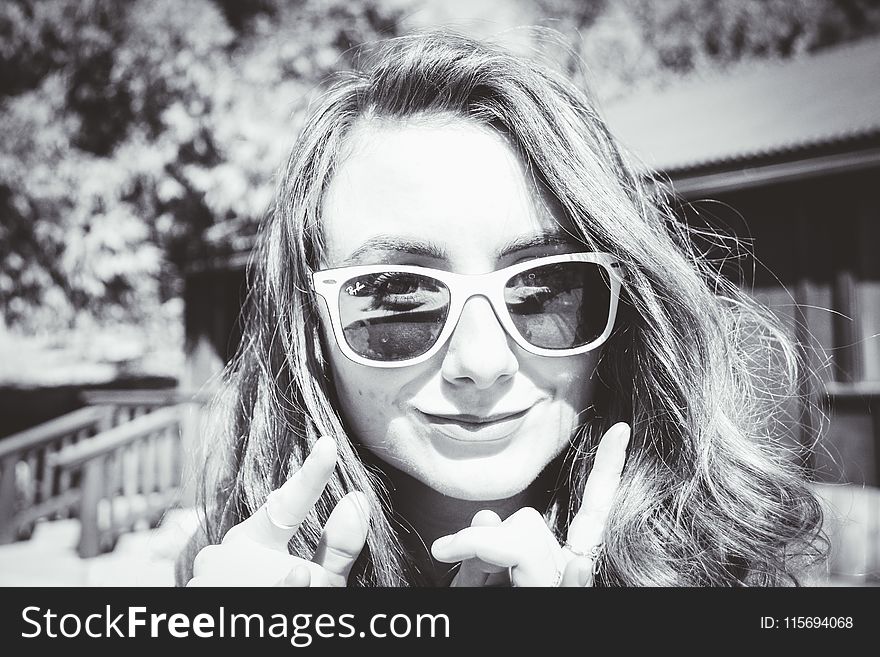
(398, 315)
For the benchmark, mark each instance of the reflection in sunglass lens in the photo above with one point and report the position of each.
(560, 306)
(392, 316)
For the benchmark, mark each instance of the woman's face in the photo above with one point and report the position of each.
(460, 189)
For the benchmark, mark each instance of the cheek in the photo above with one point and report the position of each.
(352, 386)
(365, 391)
(579, 386)
(369, 398)
(570, 381)
(366, 407)
(362, 391)
(350, 381)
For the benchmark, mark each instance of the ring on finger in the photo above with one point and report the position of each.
(557, 577)
(592, 554)
(279, 525)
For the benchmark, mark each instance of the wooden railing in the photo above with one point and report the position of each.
(37, 483)
(31, 486)
(130, 404)
(130, 475)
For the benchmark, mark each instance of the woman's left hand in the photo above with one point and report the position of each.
(525, 547)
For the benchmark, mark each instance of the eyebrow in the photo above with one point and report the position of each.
(544, 238)
(379, 244)
(394, 244)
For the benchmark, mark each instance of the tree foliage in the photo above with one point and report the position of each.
(634, 42)
(132, 133)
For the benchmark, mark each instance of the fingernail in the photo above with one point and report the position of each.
(485, 518)
(622, 433)
(324, 448)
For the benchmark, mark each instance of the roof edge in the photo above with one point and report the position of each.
(770, 174)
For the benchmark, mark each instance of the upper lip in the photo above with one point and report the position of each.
(476, 419)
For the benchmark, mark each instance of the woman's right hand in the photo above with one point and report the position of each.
(255, 553)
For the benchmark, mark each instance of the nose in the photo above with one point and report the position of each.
(479, 352)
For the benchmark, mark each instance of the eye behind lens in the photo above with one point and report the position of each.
(561, 305)
(392, 316)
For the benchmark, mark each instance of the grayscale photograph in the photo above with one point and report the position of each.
(196, 198)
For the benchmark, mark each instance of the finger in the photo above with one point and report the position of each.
(491, 544)
(588, 525)
(343, 537)
(291, 503)
(542, 562)
(578, 573)
(486, 518)
(298, 577)
(476, 572)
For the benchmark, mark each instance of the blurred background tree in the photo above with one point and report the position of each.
(134, 133)
(627, 43)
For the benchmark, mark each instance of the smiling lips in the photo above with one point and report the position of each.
(465, 427)
(466, 418)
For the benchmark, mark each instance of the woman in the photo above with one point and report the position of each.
(480, 351)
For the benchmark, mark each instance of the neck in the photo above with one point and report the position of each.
(426, 514)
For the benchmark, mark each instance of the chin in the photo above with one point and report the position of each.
(476, 484)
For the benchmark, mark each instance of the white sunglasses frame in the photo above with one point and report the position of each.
(327, 284)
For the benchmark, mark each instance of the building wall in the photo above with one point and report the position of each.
(213, 301)
(816, 265)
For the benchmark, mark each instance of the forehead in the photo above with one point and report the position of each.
(454, 190)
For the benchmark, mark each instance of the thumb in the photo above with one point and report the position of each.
(343, 537)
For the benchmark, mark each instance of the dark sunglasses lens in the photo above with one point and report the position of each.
(392, 316)
(560, 306)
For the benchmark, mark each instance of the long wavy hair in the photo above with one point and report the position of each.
(709, 496)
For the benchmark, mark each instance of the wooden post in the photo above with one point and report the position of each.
(8, 494)
(148, 465)
(30, 491)
(92, 488)
(189, 452)
(847, 345)
(177, 454)
(130, 469)
(47, 473)
(110, 488)
(107, 421)
(64, 475)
